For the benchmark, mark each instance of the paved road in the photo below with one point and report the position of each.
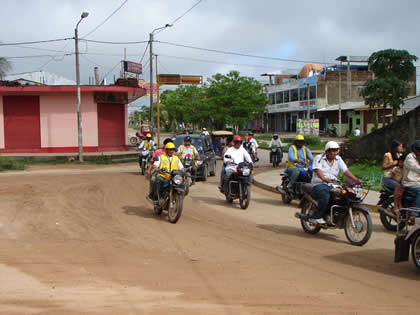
(74, 241)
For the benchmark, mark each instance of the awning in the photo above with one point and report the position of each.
(344, 106)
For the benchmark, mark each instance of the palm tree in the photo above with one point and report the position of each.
(4, 67)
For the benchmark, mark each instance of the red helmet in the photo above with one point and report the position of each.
(237, 138)
(247, 138)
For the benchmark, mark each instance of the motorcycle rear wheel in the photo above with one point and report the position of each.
(415, 249)
(133, 140)
(245, 197)
(363, 230)
(387, 221)
(175, 208)
(308, 209)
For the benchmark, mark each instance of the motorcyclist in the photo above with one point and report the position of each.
(204, 132)
(411, 172)
(389, 162)
(188, 149)
(250, 147)
(237, 155)
(275, 142)
(227, 147)
(148, 143)
(251, 134)
(157, 153)
(327, 167)
(167, 161)
(299, 157)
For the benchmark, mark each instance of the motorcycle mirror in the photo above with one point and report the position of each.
(228, 156)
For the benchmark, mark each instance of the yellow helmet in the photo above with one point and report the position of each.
(169, 145)
(148, 135)
(299, 138)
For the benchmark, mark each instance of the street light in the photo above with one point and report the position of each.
(79, 116)
(151, 70)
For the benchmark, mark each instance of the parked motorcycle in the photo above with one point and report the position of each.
(171, 194)
(330, 132)
(408, 233)
(296, 193)
(144, 158)
(388, 217)
(276, 155)
(238, 186)
(345, 212)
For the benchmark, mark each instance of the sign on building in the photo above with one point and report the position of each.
(307, 127)
(133, 67)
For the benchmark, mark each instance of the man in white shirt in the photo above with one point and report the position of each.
(327, 167)
(276, 142)
(411, 172)
(357, 132)
(204, 132)
(189, 150)
(237, 154)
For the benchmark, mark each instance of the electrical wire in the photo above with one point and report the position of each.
(46, 49)
(181, 16)
(33, 56)
(164, 68)
(240, 54)
(144, 53)
(113, 43)
(104, 21)
(36, 42)
(118, 63)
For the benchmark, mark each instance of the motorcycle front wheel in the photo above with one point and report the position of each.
(143, 168)
(245, 196)
(360, 234)
(309, 209)
(415, 249)
(175, 207)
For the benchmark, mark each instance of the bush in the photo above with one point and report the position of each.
(313, 140)
(351, 139)
(9, 164)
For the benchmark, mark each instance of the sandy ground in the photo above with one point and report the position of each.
(84, 240)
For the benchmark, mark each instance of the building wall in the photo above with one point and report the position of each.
(59, 120)
(1, 123)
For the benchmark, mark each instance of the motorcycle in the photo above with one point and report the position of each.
(297, 191)
(189, 164)
(248, 147)
(330, 132)
(144, 158)
(408, 233)
(238, 186)
(388, 217)
(345, 212)
(170, 194)
(276, 155)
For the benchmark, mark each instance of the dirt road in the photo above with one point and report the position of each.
(76, 242)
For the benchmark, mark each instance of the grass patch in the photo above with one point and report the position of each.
(9, 164)
(369, 171)
(102, 159)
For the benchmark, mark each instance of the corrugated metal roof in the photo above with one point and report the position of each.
(41, 77)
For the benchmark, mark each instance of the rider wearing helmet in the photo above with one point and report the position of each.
(252, 140)
(411, 172)
(148, 143)
(156, 154)
(327, 167)
(299, 158)
(187, 149)
(275, 142)
(204, 132)
(167, 161)
(249, 146)
(237, 155)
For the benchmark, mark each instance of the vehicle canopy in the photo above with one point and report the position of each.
(219, 133)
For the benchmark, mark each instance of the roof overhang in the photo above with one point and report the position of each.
(353, 59)
(344, 106)
(133, 93)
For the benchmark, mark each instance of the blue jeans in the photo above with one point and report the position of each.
(390, 183)
(293, 173)
(415, 189)
(321, 193)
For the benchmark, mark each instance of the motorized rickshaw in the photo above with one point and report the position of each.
(145, 128)
(219, 140)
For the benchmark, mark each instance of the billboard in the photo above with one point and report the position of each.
(133, 67)
(307, 127)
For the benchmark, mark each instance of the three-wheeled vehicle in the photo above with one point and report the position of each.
(219, 140)
(140, 135)
(408, 234)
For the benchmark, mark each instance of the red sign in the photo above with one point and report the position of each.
(133, 67)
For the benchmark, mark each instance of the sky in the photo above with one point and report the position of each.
(303, 31)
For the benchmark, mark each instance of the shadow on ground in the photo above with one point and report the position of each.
(294, 231)
(144, 212)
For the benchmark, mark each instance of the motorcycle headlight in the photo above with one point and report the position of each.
(246, 171)
(178, 179)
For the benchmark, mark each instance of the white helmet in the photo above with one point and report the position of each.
(331, 145)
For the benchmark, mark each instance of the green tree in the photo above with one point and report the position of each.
(392, 69)
(234, 99)
(4, 67)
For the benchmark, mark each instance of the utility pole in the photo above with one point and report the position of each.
(339, 103)
(151, 79)
(157, 104)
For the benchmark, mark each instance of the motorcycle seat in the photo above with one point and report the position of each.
(307, 187)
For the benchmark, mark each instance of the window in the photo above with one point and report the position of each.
(279, 97)
(358, 121)
(286, 96)
(294, 95)
(271, 98)
(303, 93)
(312, 92)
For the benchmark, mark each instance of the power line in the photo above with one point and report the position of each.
(181, 16)
(46, 49)
(118, 63)
(36, 42)
(241, 54)
(113, 43)
(33, 56)
(144, 53)
(103, 22)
